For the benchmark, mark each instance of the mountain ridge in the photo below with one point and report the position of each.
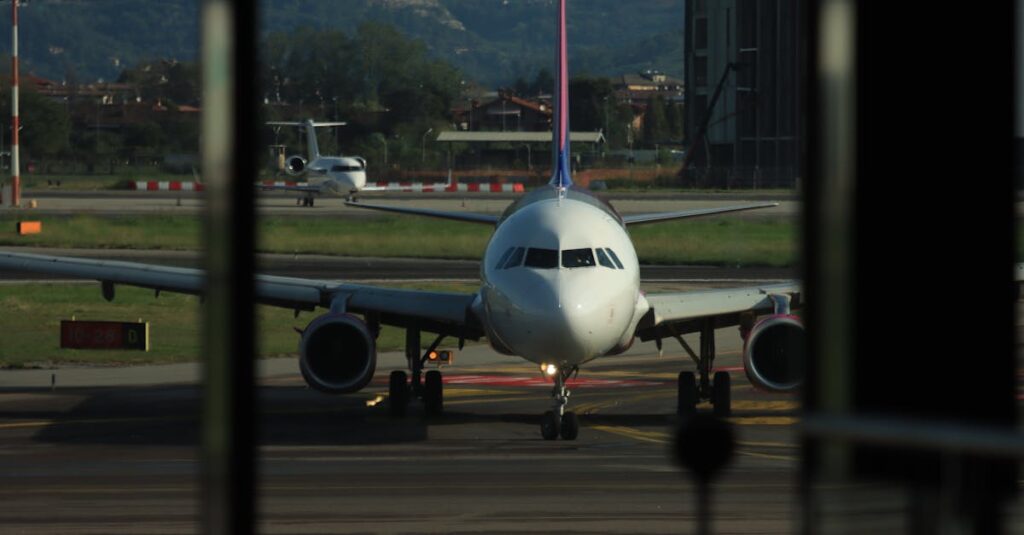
(490, 41)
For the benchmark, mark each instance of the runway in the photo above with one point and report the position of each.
(123, 459)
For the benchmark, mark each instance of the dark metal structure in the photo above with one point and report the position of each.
(752, 135)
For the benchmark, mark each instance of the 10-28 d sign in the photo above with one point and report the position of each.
(104, 335)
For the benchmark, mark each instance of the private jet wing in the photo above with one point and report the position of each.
(440, 312)
(303, 189)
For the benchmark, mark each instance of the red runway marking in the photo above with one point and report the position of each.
(504, 380)
(536, 382)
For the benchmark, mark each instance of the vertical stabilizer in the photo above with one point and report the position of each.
(561, 178)
(311, 145)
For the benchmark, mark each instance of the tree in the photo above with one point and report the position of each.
(543, 83)
(655, 121)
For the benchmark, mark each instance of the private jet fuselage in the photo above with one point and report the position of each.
(338, 176)
(560, 280)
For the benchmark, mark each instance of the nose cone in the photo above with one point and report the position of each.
(563, 316)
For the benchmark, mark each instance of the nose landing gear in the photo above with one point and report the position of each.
(558, 421)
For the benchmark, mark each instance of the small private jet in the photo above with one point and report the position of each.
(336, 176)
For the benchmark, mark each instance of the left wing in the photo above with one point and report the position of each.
(678, 313)
(439, 312)
(638, 219)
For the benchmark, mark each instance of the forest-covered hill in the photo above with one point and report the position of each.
(490, 41)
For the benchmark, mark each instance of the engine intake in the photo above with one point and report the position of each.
(337, 354)
(295, 165)
(774, 355)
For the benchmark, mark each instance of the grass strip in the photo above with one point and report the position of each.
(723, 241)
(33, 311)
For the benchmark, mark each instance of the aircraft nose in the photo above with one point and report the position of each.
(567, 318)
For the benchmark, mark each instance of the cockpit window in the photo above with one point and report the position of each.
(504, 257)
(603, 259)
(542, 258)
(516, 258)
(574, 258)
(615, 258)
(342, 168)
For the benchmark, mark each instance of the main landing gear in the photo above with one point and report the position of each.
(428, 387)
(558, 421)
(304, 201)
(702, 386)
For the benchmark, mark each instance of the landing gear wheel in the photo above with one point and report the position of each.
(433, 393)
(687, 394)
(570, 426)
(549, 426)
(721, 394)
(398, 393)
(310, 202)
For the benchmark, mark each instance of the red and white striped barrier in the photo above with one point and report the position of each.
(417, 187)
(420, 187)
(166, 185)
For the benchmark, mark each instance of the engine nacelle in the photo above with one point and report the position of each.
(295, 165)
(337, 354)
(774, 355)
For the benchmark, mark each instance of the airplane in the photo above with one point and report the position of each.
(340, 176)
(560, 287)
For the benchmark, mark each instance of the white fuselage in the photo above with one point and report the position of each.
(337, 175)
(576, 296)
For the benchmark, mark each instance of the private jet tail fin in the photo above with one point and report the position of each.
(562, 177)
(310, 126)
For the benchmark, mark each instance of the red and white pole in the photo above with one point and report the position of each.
(15, 160)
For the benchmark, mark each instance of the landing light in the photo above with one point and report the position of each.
(549, 369)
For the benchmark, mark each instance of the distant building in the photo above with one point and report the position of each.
(630, 88)
(504, 112)
(753, 133)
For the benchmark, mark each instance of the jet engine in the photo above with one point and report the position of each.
(337, 354)
(295, 165)
(774, 353)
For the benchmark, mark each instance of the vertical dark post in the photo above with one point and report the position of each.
(228, 153)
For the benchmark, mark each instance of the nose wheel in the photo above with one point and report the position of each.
(557, 421)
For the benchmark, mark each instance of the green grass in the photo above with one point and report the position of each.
(33, 311)
(719, 241)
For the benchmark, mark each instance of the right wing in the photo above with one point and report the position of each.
(440, 312)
